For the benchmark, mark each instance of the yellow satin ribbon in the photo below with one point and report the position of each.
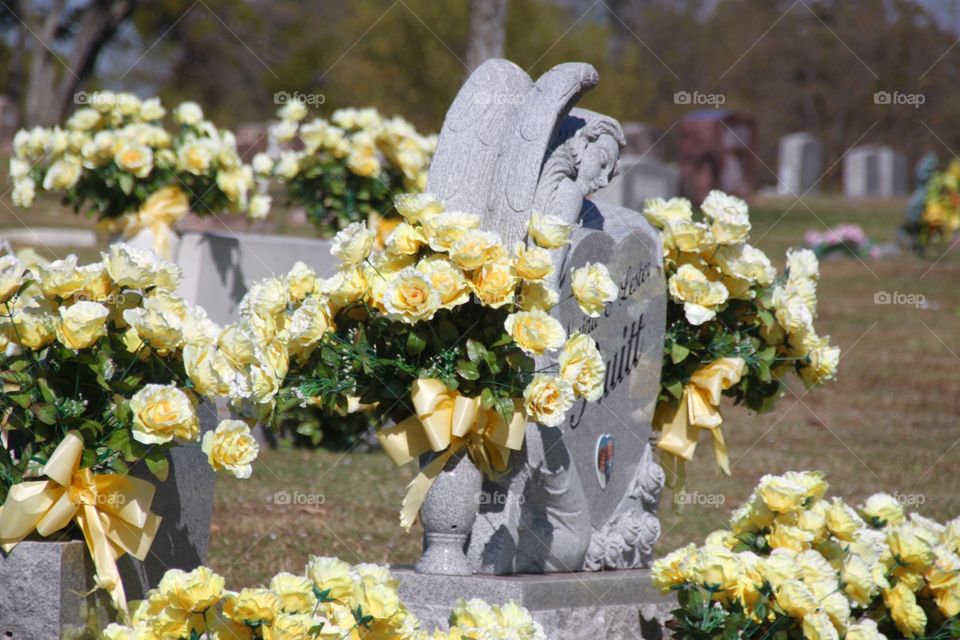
(112, 511)
(163, 209)
(448, 422)
(680, 423)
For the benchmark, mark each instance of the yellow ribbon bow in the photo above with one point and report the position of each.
(680, 424)
(163, 209)
(448, 422)
(112, 511)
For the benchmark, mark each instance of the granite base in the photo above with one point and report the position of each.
(570, 606)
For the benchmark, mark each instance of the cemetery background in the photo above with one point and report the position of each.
(888, 423)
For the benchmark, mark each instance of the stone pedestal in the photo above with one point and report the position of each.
(44, 588)
(574, 606)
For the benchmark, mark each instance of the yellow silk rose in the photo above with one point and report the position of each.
(231, 446)
(301, 280)
(252, 605)
(842, 521)
(135, 158)
(535, 331)
(904, 610)
(60, 278)
(63, 173)
(817, 626)
(476, 248)
(209, 369)
(31, 322)
(405, 239)
(547, 399)
(11, 277)
(417, 208)
(582, 366)
(447, 280)
(658, 211)
(533, 264)
(671, 570)
(353, 244)
(410, 298)
(193, 591)
(137, 269)
(333, 575)
(796, 599)
(537, 295)
(686, 236)
(730, 220)
(162, 413)
(442, 231)
(548, 231)
(593, 288)
(295, 593)
(700, 296)
(195, 157)
(883, 508)
(495, 283)
(81, 324)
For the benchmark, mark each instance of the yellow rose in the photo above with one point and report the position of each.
(97, 284)
(195, 156)
(295, 592)
(943, 579)
(209, 369)
(236, 183)
(904, 610)
(582, 366)
(24, 191)
(547, 399)
(729, 216)
(353, 244)
(138, 269)
(700, 296)
(307, 326)
(548, 231)
(33, 322)
(495, 283)
(817, 626)
(780, 566)
(135, 158)
(866, 629)
(377, 599)
(802, 263)
(301, 280)
(62, 174)
(789, 537)
(882, 509)
(658, 211)
(671, 570)
(362, 159)
(193, 591)
(746, 263)
(824, 361)
(60, 278)
(332, 575)
(686, 236)
(252, 605)
(535, 331)
(231, 447)
(11, 277)
(447, 280)
(537, 295)
(715, 566)
(476, 248)
(410, 297)
(82, 324)
(158, 324)
(405, 239)
(533, 264)
(473, 614)
(857, 579)
(162, 413)
(781, 494)
(298, 626)
(593, 288)
(909, 547)
(796, 599)
(842, 520)
(442, 231)
(346, 287)
(417, 207)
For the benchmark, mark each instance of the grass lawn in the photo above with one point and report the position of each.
(891, 422)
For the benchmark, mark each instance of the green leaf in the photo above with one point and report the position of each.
(158, 463)
(127, 183)
(675, 388)
(678, 353)
(475, 350)
(487, 398)
(415, 343)
(46, 413)
(468, 370)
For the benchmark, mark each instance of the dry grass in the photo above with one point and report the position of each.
(889, 423)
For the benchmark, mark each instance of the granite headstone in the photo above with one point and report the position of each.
(800, 164)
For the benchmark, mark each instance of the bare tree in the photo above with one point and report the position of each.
(62, 42)
(488, 26)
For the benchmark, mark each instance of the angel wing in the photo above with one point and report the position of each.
(526, 142)
(462, 170)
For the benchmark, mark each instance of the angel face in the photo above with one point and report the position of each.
(598, 163)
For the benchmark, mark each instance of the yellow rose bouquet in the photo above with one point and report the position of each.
(941, 212)
(437, 334)
(329, 600)
(795, 564)
(734, 326)
(102, 366)
(117, 159)
(347, 169)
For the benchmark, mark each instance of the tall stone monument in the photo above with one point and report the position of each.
(582, 497)
(800, 163)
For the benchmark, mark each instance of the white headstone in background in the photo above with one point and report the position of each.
(874, 172)
(639, 178)
(800, 164)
